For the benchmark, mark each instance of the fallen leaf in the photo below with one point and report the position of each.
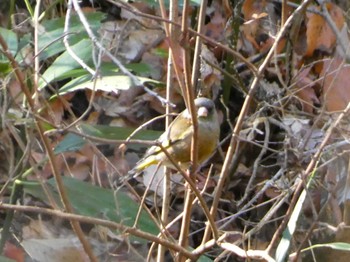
(13, 252)
(334, 79)
(55, 250)
(305, 90)
(319, 34)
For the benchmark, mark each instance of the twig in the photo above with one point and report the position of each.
(48, 147)
(173, 14)
(189, 100)
(82, 63)
(228, 220)
(66, 43)
(36, 45)
(203, 37)
(148, 123)
(96, 221)
(254, 254)
(346, 214)
(196, 192)
(341, 40)
(249, 187)
(267, 217)
(198, 47)
(231, 150)
(95, 41)
(305, 174)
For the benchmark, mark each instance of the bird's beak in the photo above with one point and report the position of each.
(202, 112)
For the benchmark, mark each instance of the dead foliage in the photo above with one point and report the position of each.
(277, 187)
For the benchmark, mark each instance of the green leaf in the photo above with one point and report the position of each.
(5, 67)
(50, 40)
(154, 3)
(284, 244)
(65, 63)
(118, 133)
(335, 245)
(107, 83)
(74, 73)
(140, 68)
(94, 201)
(160, 52)
(12, 44)
(6, 259)
(107, 68)
(136, 68)
(71, 142)
(204, 258)
(11, 41)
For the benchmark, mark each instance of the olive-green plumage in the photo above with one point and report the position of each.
(177, 139)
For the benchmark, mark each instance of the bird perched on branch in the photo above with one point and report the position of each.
(177, 139)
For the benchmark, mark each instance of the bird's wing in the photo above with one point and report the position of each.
(176, 134)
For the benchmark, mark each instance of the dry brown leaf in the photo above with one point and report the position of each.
(157, 64)
(257, 29)
(56, 111)
(13, 252)
(306, 92)
(39, 229)
(210, 76)
(80, 171)
(253, 11)
(203, 182)
(318, 33)
(216, 27)
(46, 171)
(55, 250)
(15, 91)
(334, 80)
(272, 192)
(342, 235)
(307, 98)
(253, 8)
(120, 162)
(129, 39)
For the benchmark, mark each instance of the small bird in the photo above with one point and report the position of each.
(177, 139)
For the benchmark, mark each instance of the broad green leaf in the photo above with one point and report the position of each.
(94, 201)
(25, 49)
(5, 67)
(154, 3)
(65, 62)
(161, 52)
(204, 258)
(6, 259)
(50, 40)
(11, 41)
(71, 142)
(118, 133)
(74, 73)
(12, 44)
(137, 68)
(140, 68)
(108, 68)
(107, 83)
(335, 245)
